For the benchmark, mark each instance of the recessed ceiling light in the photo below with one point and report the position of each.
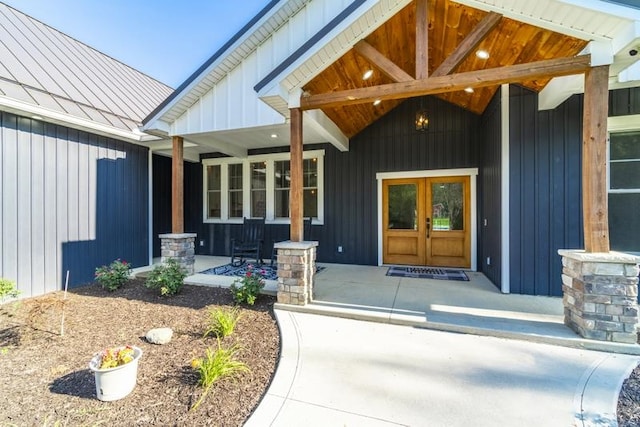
(367, 75)
(468, 89)
(376, 102)
(482, 54)
(36, 117)
(274, 135)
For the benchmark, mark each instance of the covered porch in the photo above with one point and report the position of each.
(475, 307)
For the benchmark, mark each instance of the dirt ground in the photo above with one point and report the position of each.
(45, 380)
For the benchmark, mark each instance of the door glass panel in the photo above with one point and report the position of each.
(403, 207)
(447, 206)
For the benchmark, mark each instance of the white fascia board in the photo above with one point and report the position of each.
(273, 86)
(528, 19)
(63, 119)
(601, 52)
(606, 7)
(327, 128)
(630, 74)
(628, 36)
(558, 90)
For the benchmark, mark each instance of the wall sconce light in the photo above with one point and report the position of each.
(422, 120)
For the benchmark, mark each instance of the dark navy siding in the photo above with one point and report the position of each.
(350, 188)
(545, 190)
(546, 186)
(70, 201)
(490, 204)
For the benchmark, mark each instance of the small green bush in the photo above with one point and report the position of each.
(114, 275)
(7, 289)
(222, 322)
(167, 277)
(246, 289)
(217, 365)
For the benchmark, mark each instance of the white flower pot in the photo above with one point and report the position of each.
(115, 383)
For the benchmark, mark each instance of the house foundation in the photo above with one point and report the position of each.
(296, 271)
(600, 295)
(181, 247)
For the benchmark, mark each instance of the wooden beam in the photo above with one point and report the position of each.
(468, 45)
(177, 186)
(595, 209)
(296, 186)
(449, 83)
(381, 62)
(422, 39)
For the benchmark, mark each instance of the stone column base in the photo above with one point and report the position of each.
(600, 294)
(296, 269)
(180, 247)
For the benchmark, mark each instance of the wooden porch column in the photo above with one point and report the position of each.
(177, 186)
(594, 160)
(296, 185)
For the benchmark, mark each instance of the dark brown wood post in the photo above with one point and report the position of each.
(422, 39)
(177, 186)
(594, 160)
(296, 189)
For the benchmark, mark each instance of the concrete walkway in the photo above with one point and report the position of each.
(342, 372)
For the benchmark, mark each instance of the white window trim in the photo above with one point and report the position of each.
(620, 124)
(224, 163)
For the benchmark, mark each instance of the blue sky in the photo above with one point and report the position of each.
(166, 39)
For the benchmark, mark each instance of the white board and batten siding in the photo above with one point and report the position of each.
(60, 190)
(232, 103)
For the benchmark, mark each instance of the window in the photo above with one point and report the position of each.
(235, 191)
(259, 190)
(260, 187)
(214, 184)
(624, 190)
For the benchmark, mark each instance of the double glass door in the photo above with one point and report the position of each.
(426, 221)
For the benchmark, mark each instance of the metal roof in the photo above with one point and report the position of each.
(42, 67)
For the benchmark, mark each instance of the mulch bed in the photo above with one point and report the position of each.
(629, 401)
(45, 378)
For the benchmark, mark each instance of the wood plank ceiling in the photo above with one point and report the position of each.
(509, 42)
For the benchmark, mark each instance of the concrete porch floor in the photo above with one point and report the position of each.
(474, 307)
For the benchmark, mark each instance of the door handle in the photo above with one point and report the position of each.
(428, 226)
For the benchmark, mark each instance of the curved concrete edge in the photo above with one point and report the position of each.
(563, 336)
(596, 398)
(280, 388)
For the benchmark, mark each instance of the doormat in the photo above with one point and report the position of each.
(268, 272)
(427, 273)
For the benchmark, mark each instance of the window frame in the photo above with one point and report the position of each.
(270, 160)
(620, 124)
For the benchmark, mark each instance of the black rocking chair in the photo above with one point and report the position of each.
(250, 244)
(308, 222)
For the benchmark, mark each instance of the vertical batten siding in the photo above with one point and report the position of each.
(490, 204)
(350, 188)
(70, 201)
(545, 190)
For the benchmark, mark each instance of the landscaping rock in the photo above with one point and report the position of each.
(159, 335)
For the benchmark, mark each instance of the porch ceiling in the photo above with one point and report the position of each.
(509, 42)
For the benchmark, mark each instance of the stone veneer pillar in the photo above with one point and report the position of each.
(296, 268)
(600, 295)
(180, 247)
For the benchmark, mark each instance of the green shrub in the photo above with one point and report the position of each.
(8, 289)
(114, 275)
(167, 277)
(222, 322)
(246, 289)
(217, 365)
